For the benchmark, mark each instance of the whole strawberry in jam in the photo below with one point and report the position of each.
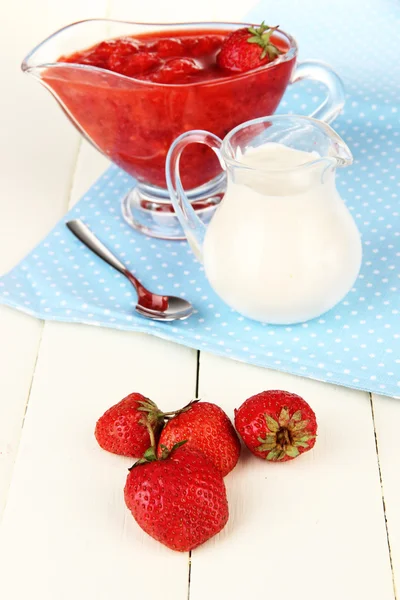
(248, 48)
(137, 65)
(204, 426)
(276, 425)
(124, 428)
(176, 69)
(179, 499)
(168, 47)
(120, 52)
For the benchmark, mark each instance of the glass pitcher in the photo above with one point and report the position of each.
(134, 121)
(282, 246)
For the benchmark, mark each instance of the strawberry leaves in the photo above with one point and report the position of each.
(151, 454)
(166, 453)
(148, 456)
(261, 35)
(292, 451)
(271, 423)
(276, 454)
(285, 435)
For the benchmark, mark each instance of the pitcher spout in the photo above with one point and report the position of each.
(342, 154)
(337, 149)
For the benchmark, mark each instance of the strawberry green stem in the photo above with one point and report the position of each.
(151, 434)
(173, 413)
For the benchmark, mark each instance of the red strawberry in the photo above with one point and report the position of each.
(167, 47)
(124, 428)
(201, 46)
(248, 48)
(180, 500)
(176, 70)
(276, 425)
(138, 64)
(204, 426)
(120, 52)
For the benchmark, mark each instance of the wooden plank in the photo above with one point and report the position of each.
(387, 419)
(40, 145)
(310, 529)
(38, 153)
(127, 356)
(89, 166)
(66, 527)
(127, 348)
(20, 335)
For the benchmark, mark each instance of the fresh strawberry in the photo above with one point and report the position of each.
(180, 499)
(248, 48)
(204, 426)
(124, 428)
(276, 425)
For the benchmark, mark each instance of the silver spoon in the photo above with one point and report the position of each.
(152, 306)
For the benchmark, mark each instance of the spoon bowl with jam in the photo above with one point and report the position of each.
(131, 89)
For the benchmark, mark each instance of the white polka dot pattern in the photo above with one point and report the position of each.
(356, 344)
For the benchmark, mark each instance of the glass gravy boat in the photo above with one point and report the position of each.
(282, 246)
(133, 122)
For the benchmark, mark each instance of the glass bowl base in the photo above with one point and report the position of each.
(150, 211)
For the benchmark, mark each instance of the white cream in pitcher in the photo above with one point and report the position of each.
(282, 247)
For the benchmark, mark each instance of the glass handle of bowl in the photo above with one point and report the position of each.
(192, 225)
(318, 71)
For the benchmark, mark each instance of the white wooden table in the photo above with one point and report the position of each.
(325, 527)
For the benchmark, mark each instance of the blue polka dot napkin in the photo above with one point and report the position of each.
(356, 344)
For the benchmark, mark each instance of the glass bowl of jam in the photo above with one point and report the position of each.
(131, 89)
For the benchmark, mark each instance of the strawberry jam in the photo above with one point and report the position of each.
(146, 90)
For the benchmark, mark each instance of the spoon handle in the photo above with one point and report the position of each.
(145, 298)
(83, 233)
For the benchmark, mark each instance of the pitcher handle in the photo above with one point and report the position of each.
(193, 227)
(319, 71)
